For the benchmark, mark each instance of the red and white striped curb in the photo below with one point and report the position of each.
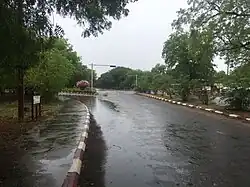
(73, 174)
(196, 106)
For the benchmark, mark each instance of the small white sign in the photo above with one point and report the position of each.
(36, 99)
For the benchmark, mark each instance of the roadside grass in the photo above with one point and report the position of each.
(11, 128)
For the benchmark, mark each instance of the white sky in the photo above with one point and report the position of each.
(135, 41)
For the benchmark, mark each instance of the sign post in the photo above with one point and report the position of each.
(36, 102)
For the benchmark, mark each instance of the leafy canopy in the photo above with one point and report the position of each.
(229, 22)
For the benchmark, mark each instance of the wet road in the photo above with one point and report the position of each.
(42, 156)
(141, 142)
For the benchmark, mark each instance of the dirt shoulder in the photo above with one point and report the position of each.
(10, 128)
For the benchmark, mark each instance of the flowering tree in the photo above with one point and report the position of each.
(82, 84)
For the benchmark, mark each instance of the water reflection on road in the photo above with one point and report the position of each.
(42, 156)
(151, 143)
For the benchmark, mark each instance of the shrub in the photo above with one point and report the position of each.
(238, 98)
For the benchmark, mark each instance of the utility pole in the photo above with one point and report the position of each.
(228, 68)
(92, 77)
(92, 73)
(136, 81)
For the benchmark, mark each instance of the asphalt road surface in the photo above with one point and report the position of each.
(140, 142)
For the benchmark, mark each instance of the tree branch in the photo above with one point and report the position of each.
(237, 14)
(217, 7)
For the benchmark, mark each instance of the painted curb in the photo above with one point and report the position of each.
(234, 116)
(73, 174)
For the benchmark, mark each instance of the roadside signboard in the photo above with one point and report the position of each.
(36, 99)
(36, 106)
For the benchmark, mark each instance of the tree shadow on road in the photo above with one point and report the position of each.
(93, 172)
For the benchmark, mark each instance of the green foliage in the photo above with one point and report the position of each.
(220, 77)
(238, 98)
(190, 56)
(240, 77)
(228, 21)
(51, 74)
(78, 90)
(7, 79)
(26, 29)
(117, 78)
(159, 69)
(81, 72)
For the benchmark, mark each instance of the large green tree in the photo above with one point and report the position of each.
(159, 69)
(229, 22)
(116, 78)
(190, 55)
(51, 74)
(25, 26)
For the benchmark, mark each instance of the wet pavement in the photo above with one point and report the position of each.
(141, 142)
(42, 156)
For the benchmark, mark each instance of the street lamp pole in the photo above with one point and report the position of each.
(92, 77)
(136, 81)
(92, 73)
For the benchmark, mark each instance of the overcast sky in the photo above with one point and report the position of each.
(135, 41)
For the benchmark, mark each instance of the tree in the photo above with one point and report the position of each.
(159, 69)
(190, 55)
(227, 20)
(220, 77)
(51, 75)
(7, 80)
(115, 79)
(81, 72)
(25, 24)
(240, 77)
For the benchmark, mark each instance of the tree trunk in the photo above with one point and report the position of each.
(20, 92)
(20, 86)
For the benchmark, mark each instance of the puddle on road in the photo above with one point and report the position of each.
(110, 105)
(44, 154)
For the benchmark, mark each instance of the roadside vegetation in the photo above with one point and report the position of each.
(203, 31)
(37, 59)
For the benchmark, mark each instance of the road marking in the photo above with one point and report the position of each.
(81, 146)
(218, 112)
(219, 132)
(233, 115)
(76, 166)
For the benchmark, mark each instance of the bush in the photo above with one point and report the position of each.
(238, 98)
(78, 90)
